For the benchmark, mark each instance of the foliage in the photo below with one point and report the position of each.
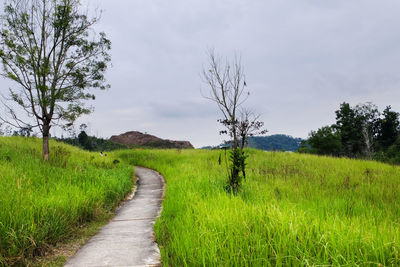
(237, 170)
(350, 128)
(360, 131)
(293, 210)
(43, 202)
(389, 128)
(392, 154)
(50, 51)
(325, 141)
(84, 141)
(357, 128)
(92, 143)
(367, 116)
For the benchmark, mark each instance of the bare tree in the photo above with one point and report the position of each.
(49, 49)
(227, 83)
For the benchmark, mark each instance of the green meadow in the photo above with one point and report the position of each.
(42, 203)
(293, 210)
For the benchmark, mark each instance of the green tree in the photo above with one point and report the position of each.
(392, 153)
(388, 128)
(84, 140)
(49, 49)
(325, 141)
(358, 128)
(350, 129)
(367, 118)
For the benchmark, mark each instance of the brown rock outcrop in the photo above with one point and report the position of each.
(135, 138)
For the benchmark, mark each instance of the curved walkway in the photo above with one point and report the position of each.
(128, 240)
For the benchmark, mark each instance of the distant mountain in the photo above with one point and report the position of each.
(276, 142)
(138, 139)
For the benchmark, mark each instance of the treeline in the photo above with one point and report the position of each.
(82, 140)
(361, 131)
(91, 143)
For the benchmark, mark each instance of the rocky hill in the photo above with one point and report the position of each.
(138, 139)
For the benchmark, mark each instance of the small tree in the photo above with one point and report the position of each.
(325, 141)
(227, 83)
(350, 128)
(48, 48)
(84, 140)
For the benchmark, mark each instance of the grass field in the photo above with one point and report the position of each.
(42, 203)
(292, 210)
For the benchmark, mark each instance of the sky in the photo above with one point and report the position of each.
(301, 58)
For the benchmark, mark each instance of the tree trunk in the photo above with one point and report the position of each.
(243, 142)
(46, 150)
(235, 139)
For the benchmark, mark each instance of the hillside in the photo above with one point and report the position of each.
(43, 203)
(277, 142)
(135, 139)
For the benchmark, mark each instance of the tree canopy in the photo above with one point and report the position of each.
(50, 51)
(360, 131)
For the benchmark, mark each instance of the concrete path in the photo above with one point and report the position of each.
(128, 240)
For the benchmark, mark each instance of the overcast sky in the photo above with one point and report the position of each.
(301, 59)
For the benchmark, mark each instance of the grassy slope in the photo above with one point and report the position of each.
(41, 203)
(293, 210)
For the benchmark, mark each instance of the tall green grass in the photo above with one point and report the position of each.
(292, 210)
(42, 202)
